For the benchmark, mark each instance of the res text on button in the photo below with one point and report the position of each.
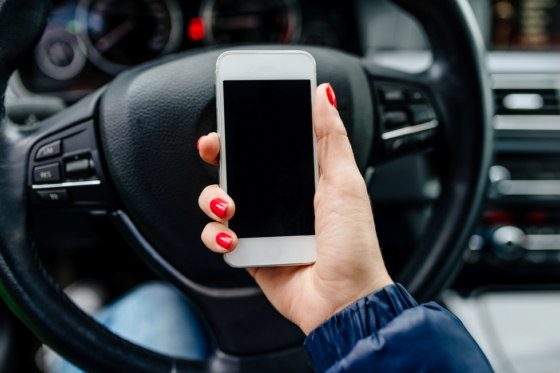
(47, 174)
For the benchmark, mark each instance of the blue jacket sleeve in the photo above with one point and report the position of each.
(388, 331)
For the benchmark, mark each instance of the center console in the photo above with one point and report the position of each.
(518, 238)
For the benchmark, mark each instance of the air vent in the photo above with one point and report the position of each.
(527, 101)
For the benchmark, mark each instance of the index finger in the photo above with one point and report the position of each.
(209, 148)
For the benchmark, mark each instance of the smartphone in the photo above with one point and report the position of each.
(268, 153)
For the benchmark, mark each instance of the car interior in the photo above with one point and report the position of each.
(452, 108)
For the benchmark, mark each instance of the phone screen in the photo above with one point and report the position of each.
(269, 155)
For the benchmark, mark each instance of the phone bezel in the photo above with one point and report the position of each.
(266, 65)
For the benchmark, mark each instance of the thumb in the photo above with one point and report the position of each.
(334, 151)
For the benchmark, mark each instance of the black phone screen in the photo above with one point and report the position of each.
(269, 155)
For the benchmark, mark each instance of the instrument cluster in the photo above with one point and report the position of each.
(88, 42)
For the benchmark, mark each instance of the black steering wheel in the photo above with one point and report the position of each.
(131, 146)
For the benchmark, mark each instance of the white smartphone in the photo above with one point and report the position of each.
(268, 154)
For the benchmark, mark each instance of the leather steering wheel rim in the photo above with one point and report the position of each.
(457, 77)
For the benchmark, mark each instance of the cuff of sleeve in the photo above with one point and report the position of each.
(336, 337)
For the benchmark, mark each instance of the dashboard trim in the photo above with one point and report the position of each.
(519, 62)
(542, 242)
(529, 187)
(527, 122)
(526, 81)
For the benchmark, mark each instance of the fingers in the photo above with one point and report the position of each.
(220, 207)
(334, 149)
(326, 119)
(219, 238)
(209, 148)
(216, 203)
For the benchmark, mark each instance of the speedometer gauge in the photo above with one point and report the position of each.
(116, 34)
(251, 21)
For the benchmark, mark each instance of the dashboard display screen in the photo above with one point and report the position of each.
(526, 24)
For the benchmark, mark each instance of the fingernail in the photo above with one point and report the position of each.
(224, 240)
(218, 207)
(198, 142)
(331, 96)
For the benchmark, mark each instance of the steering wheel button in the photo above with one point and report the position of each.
(392, 95)
(78, 168)
(49, 150)
(53, 196)
(421, 113)
(396, 118)
(415, 95)
(47, 174)
(396, 145)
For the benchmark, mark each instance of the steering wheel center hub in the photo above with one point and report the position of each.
(150, 120)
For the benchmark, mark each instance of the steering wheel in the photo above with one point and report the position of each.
(129, 149)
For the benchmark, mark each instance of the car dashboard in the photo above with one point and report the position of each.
(515, 249)
(87, 42)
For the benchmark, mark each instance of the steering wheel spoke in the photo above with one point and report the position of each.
(65, 167)
(406, 119)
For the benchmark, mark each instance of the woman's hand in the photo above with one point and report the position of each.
(349, 264)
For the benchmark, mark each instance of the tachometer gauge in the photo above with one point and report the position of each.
(116, 34)
(242, 21)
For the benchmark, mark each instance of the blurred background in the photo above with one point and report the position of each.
(508, 292)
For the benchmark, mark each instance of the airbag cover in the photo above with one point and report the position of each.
(150, 120)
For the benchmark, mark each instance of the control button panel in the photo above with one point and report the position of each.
(49, 173)
(421, 113)
(392, 94)
(53, 195)
(396, 118)
(519, 240)
(50, 150)
(64, 171)
(408, 119)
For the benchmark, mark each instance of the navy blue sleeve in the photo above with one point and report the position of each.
(388, 331)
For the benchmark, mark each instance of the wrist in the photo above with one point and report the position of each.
(329, 309)
(373, 286)
(333, 339)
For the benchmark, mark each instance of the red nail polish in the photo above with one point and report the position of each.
(218, 207)
(198, 142)
(224, 240)
(331, 96)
